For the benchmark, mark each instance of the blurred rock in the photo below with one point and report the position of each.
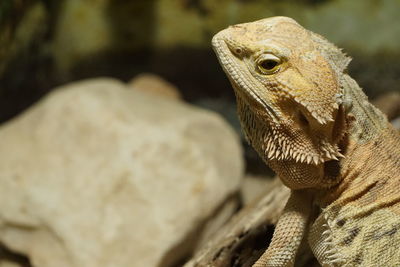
(155, 84)
(98, 175)
(12, 258)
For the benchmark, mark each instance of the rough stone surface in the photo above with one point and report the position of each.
(100, 175)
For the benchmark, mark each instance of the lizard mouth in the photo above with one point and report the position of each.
(241, 80)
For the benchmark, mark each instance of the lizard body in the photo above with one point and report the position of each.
(313, 125)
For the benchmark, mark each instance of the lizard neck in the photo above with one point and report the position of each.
(371, 153)
(366, 169)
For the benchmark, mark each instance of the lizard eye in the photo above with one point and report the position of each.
(268, 64)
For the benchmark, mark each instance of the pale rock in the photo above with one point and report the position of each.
(99, 175)
(152, 83)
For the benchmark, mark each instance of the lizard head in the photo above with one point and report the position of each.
(287, 83)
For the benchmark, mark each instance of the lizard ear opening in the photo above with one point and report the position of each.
(303, 119)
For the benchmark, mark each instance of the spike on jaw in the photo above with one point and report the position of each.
(328, 154)
(315, 160)
(340, 155)
(309, 159)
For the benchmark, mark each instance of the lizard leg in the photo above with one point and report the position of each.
(288, 233)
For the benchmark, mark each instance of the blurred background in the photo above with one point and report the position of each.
(45, 43)
(48, 43)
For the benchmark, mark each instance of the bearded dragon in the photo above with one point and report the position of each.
(313, 125)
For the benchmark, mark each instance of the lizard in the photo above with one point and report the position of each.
(314, 126)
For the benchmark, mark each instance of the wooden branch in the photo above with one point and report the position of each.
(247, 235)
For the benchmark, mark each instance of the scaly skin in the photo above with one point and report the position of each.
(314, 126)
